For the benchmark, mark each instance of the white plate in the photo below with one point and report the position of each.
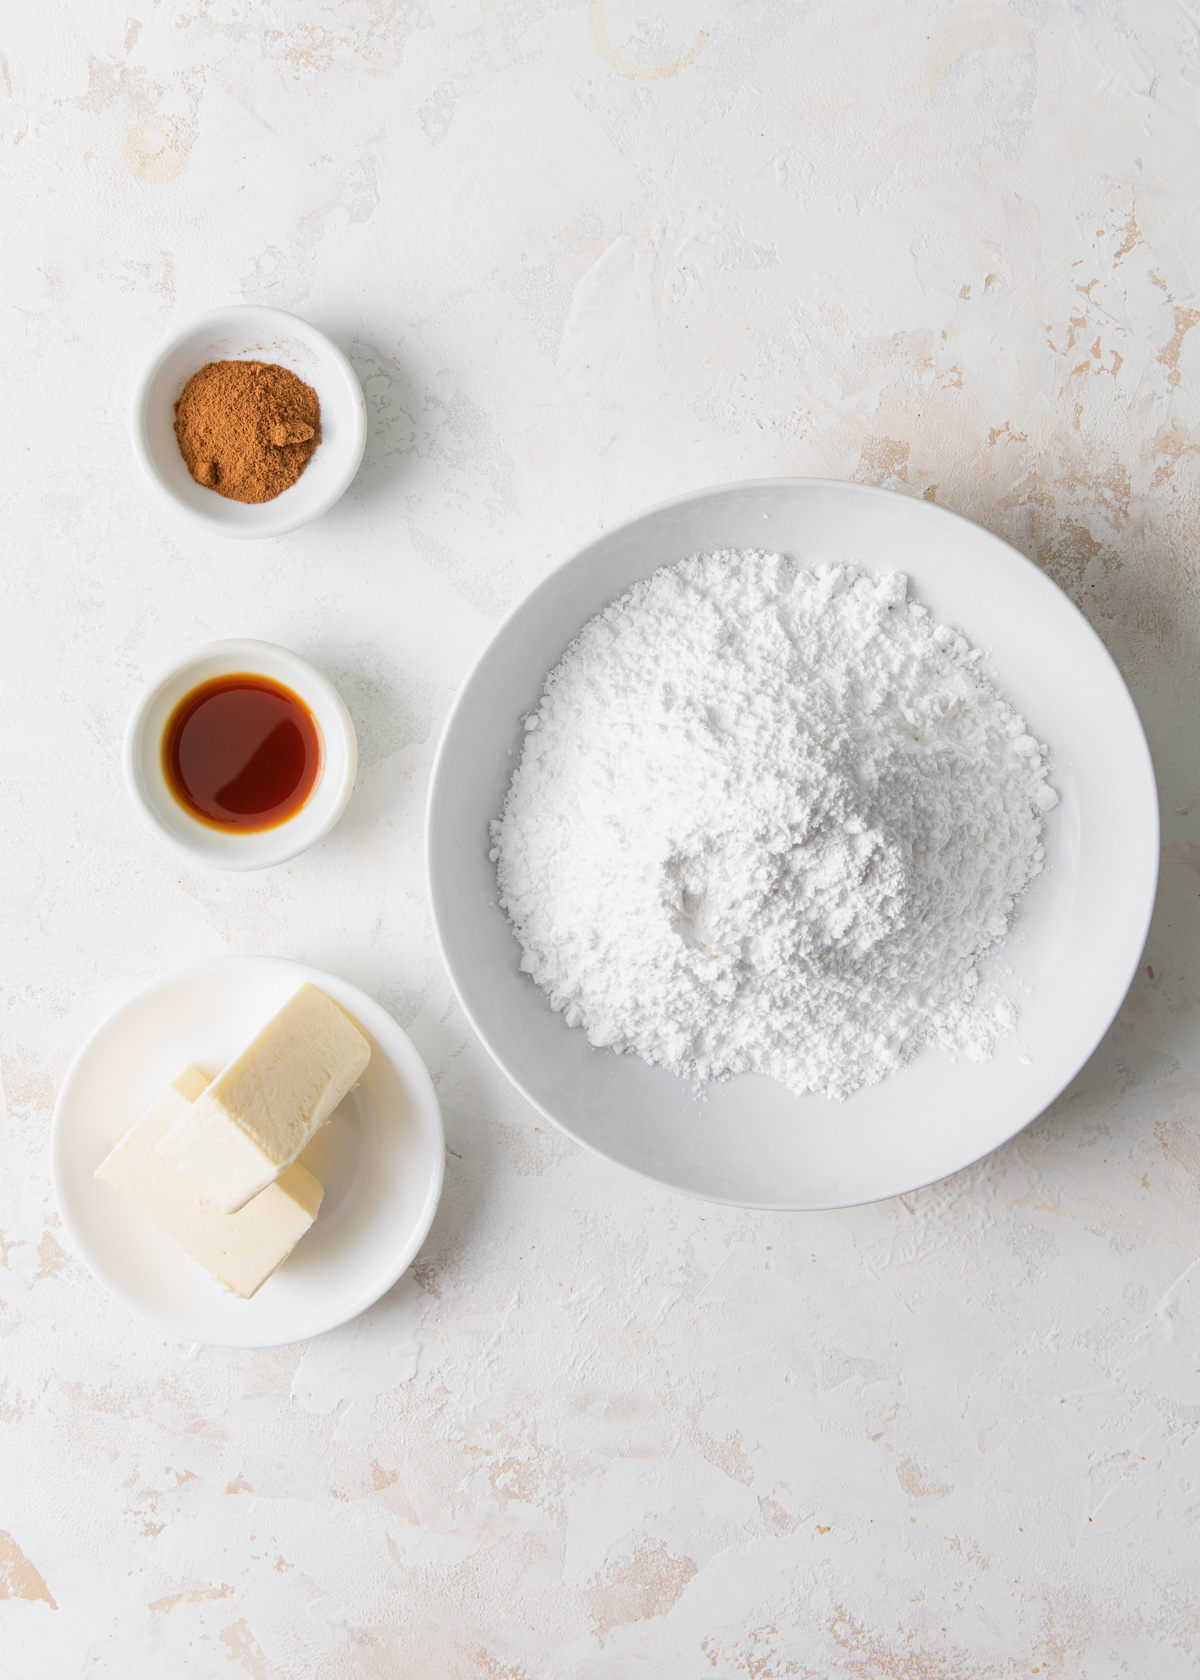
(242, 333)
(380, 1157)
(1077, 935)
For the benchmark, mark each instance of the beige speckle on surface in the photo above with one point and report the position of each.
(18, 1577)
(585, 257)
(598, 28)
(244, 1649)
(648, 1582)
(154, 156)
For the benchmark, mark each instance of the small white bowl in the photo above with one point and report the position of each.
(224, 850)
(242, 333)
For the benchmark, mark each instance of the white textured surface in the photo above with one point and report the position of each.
(584, 256)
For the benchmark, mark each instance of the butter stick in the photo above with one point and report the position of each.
(240, 1250)
(260, 1111)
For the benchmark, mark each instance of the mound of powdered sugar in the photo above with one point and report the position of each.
(769, 819)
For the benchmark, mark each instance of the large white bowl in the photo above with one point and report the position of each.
(247, 332)
(1077, 936)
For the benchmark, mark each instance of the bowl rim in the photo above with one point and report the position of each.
(339, 751)
(284, 321)
(740, 486)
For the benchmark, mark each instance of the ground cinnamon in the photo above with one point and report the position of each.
(247, 429)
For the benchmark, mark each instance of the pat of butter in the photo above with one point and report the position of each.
(241, 1250)
(260, 1111)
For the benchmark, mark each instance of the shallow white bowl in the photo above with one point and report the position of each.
(380, 1157)
(223, 850)
(242, 333)
(1077, 935)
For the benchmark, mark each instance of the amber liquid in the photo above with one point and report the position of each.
(241, 753)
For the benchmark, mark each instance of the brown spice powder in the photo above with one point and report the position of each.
(247, 429)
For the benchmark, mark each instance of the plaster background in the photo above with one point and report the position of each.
(585, 256)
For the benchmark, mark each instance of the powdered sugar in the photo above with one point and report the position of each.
(768, 819)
